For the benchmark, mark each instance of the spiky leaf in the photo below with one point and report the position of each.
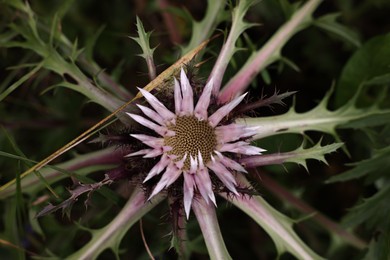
(298, 156)
(378, 165)
(320, 119)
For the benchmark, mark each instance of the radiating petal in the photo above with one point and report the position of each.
(230, 163)
(200, 160)
(140, 152)
(188, 192)
(153, 153)
(178, 97)
(241, 148)
(157, 105)
(161, 130)
(204, 101)
(159, 167)
(194, 165)
(151, 114)
(188, 96)
(215, 118)
(223, 174)
(168, 177)
(180, 164)
(151, 141)
(233, 132)
(203, 183)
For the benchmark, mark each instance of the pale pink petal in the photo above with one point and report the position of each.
(168, 177)
(159, 167)
(233, 132)
(194, 165)
(223, 174)
(241, 148)
(178, 97)
(152, 114)
(224, 110)
(161, 130)
(151, 141)
(153, 153)
(140, 152)
(157, 151)
(230, 163)
(171, 174)
(157, 105)
(203, 182)
(188, 96)
(200, 160)
(188, 192)
(203, 103)
(180, 163)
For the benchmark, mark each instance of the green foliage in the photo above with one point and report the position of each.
(143, 41)
(370, 64)
(376, 167)
(320, 119)
(329, 23)
(81, 46)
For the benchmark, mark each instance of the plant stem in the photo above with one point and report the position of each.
(208, 222)
(111, 235)
(82, 164)
(325, 222)
(269, 53)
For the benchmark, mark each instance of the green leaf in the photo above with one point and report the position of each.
(319, 119)
(111, 235)
(371, 61)
(277, 225)
(378, 164)
(143, 41)
(298, 156)
(18, 83)
(201, 30)
(316, 152)
(379, 247)
(329, 23)
(373, 212)
(91, 41)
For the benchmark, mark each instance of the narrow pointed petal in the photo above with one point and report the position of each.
(153, 153)
(140, 152)
(171, 174)
(158, 151)
(188, 192)
(241, 148)
(188, 96)
(159, 167)
(203, 182)
(224, 110)
(161, 130)
(151, 141)
(194, 165)
(223, 174)
(151, 114)
(204, 101)
(178, 97)
(180, 163)
(168, 177)
(230, 163)
(200, 160)
(157, 105)
(233, 132)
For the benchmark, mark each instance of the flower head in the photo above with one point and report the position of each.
(191, 143)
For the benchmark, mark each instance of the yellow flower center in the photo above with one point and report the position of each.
(191, 136)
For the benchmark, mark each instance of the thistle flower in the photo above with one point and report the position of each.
(192, 143)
